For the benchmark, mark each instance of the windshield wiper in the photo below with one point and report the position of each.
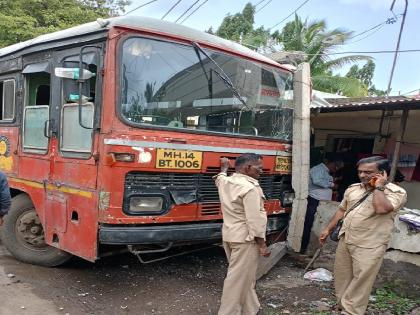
(208, 78)
(222, 75)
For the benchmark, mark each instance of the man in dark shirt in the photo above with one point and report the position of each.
(5, 199)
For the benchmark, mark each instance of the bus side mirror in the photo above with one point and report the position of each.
(73, 73)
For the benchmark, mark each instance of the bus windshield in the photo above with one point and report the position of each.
(177, 86)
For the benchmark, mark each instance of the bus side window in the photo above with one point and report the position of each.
(75, 140)
(36, 111)
(7, 99)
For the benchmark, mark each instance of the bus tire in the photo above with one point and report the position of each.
(23, 235)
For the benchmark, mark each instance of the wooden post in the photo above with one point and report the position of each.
(301, 148)
(400, 137)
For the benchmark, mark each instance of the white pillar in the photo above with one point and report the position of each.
(301, 149)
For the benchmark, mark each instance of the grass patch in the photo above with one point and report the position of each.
(390, 298)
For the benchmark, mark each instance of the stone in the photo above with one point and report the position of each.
(403, 239)
(321, 306)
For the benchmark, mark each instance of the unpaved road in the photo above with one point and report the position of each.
(189, 284)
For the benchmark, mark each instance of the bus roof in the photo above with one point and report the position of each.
(138, 23)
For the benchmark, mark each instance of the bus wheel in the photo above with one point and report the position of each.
(23, 235)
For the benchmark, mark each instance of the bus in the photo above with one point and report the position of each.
(111, 132)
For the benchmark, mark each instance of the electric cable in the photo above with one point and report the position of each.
(367, 36)
(261, 1)
(169, 11)
(359, 52)
(186, 11)
(303, 3)
(387, 21)
(194, 11)
(267, 3)
(140, 6)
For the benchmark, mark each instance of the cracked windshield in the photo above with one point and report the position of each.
(178, 86)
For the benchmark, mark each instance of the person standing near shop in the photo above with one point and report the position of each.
(321, 184)
(365, 233)
(243, 232)
(5, 200)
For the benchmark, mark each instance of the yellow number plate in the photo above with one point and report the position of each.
(283, 164)
(179, 159)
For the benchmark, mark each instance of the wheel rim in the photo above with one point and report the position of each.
(29, 231)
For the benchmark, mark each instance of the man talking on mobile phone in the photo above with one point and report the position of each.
(243, 232)
(365, 233)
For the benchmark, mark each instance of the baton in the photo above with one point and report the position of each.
(316, 255)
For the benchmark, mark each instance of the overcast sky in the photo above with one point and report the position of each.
(353, 15)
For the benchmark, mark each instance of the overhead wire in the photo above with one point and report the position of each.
(387, 21)
(303, 3)
(140, 6)
(411, 92)
(367, 36)
(169, 11)
(267, 3)
(186, 18)
(359, 52)
(261, 1)
(186, 11)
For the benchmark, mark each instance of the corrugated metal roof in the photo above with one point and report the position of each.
(368, 103)
(140, 23)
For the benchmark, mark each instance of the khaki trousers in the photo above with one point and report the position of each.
(355, 271)
(239, 296)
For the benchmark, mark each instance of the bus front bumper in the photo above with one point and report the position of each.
(173, 233)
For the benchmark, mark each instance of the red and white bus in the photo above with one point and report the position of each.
(111, 131)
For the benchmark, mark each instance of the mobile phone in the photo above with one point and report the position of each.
(373, 179)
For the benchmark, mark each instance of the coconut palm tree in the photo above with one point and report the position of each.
(316, 42)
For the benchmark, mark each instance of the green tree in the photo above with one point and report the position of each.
(21, 20)
(373, 91)
(240, 28)
(365, 75)
(313, 39)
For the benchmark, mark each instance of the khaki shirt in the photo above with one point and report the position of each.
(242, 202)
(362, 226)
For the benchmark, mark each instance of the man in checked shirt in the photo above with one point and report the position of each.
(243, 232)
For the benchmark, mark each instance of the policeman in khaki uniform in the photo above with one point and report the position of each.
(244, 228)
(365, 233)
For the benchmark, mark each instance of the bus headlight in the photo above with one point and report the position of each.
(146, 204)
(287, 198)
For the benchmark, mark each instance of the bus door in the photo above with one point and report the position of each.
(34, 155)
(71, 205)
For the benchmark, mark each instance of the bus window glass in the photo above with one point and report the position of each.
(7, 99)
(165, 84)
(36, 112)
(35, 118)
(74, 137)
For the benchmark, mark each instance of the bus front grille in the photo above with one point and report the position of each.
(202, 184)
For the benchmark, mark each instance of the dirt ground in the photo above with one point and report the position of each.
(190, 284)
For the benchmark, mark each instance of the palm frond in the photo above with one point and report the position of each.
(342, 61)
(348, 86)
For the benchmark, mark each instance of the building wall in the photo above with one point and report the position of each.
(366, 124)
(413, 194)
